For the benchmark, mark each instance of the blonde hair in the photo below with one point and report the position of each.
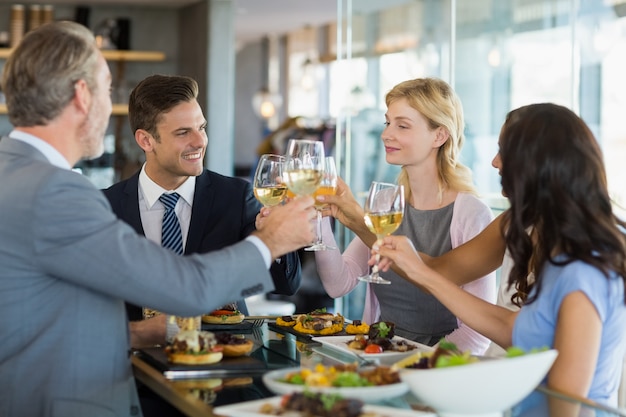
(439, 104)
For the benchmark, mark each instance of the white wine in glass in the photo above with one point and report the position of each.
(304, 166)
(268, 184)
(384, 210)
(328, 186)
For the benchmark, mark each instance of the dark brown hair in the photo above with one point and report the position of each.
(553, 174)
(155, 95)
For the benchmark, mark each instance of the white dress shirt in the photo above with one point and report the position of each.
(42, 146)
(151, 209)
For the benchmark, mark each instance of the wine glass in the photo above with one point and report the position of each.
(328, 186)
(268, 184)
(304, 166)
(384, 209)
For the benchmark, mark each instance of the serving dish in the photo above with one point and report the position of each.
(388, 357)
(272, 381)
(235, 366)
(286, 329)
(243, 327)
(251, 409)
(485, 387)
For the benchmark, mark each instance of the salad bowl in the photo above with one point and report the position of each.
(486, 387)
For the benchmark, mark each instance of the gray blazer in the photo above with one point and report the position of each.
(67, 264)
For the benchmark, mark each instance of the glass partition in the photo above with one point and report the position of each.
(498, 55)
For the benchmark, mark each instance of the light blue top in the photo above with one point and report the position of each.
(536, 322)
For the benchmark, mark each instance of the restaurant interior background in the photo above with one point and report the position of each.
(335, 69)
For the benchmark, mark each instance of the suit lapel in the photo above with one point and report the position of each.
(203, 198)
(130, 204)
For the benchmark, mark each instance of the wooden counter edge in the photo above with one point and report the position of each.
(152, 378)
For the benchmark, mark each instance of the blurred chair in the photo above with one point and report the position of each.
(259, 305)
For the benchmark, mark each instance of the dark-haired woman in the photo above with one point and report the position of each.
(560, 228)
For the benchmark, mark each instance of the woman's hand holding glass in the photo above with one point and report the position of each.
(328, 186)
(384, 210)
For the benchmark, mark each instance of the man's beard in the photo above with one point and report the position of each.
(92, 135)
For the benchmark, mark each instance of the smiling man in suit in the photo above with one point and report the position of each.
(213, 210)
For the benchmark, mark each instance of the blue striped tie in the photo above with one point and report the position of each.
(171, 236)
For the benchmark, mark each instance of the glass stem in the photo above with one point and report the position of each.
(319, 227)
(375, 266)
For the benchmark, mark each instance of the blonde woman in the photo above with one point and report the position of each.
(423, 134)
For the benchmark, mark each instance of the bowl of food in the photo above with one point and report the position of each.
(368, 384)
(466, 385)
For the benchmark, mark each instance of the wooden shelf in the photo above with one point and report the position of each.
(114, 55)
(118, 109)
(137, 56)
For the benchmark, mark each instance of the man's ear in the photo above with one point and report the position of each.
(82, 96)
(144, 140)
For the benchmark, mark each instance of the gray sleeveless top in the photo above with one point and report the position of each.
(418, 316)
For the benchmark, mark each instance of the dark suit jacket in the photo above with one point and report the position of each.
(224, 212)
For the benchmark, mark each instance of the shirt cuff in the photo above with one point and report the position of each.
(262, 247)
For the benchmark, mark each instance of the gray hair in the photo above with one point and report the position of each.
(40, 75)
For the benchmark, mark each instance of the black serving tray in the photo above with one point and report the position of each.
(303, 336)
(242, 365)
(243, 327)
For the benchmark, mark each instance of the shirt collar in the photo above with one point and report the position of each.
(49, 151)
(152, 191)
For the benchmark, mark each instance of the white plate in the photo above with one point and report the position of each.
(366, 394)
(340, 343)
(251, 409)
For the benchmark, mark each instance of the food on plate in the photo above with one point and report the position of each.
(445, 354)
(373, 348)
(382, 330)
(227, 314)
(193, 347)
(314, 405)
(380, 339)
(318, 322)
(186, 322)
(286, 321)
(233, 345)
(347, 375)
(357, 327)
(311, 324)
(514, 351)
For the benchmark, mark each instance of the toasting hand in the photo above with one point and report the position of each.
(287, 227)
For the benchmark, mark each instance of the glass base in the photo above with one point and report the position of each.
(318, 247)
(374, 279)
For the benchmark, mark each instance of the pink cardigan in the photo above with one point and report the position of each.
(339, 272)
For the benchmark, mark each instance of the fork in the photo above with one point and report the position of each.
(257, 321)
